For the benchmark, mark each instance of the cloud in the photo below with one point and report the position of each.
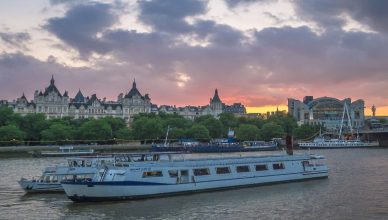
(330, 13)
(80, 26)
(236, 3)
(180, 62)
(17, 40)
(170, 15)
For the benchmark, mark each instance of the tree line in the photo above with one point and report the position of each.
(35, 129)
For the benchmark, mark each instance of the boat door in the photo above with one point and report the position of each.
(184, 176)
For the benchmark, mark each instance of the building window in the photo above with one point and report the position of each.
(201, 172)
(278, 166)
(222, 170)
(242, 169)
(261, 167)
(152, 174)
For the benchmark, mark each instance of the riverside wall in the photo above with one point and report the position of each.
(12, 151)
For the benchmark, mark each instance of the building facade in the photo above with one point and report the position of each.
(327, 111)
(54, 104)
(214, 108)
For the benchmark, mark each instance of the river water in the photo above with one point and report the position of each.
(357, 188)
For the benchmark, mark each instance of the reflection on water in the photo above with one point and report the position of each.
(356, 189)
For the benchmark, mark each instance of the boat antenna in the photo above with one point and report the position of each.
(165, 140)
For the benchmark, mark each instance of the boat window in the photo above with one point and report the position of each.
(173, 173)
(241, 169)
(88, 163)
(152, 174)
(201, 172)
(278, 166)
(222, 170)
(54, 179)
(261, 167)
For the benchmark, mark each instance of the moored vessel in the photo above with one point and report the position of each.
(78, 168)
(64, 151)
(154, 174)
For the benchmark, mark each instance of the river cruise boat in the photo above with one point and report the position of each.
(64, 151)
(153, 174)
(322, 143)
(78, 168)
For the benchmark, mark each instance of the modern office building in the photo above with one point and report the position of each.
(327, 111)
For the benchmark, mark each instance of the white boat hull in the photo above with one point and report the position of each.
(95, 191)
(39, 187)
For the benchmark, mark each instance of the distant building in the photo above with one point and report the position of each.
(215, 108)
(54, 104)
(327, 111)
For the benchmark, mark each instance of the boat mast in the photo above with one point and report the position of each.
(165, 140)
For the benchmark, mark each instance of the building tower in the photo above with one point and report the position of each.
(373, 110)
(216, 104)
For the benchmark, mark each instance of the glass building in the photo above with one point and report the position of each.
(328, 112)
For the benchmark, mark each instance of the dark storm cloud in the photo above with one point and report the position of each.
(328, 13)
(235, 3)
(17, 40)
(81, 24)
(169, 15)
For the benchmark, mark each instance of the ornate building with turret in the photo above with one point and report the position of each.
(54, 104)
(214, 108)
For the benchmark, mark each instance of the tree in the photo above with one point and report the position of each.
(176, 122)
(57, 132)
(177, 133)
(214, 126)
(198, 132)
(115, 123)
(33, 125)
(305, 131)
(95, 130)
(271, 130)
(258, 122)
(6, 115)
(229, 121)
(247, 132)
(144, 128)
(286, 121)
(11, 132)
(124, 133)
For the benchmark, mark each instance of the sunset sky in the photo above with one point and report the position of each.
(258, 52)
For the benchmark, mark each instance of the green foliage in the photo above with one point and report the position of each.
(147, 128)
(214, 126)
(228, 120)
(57, 132)
(305, 131)
(271, 130)
(11, 132)
(124, 134)
(198, 132)
(34, 128)
(177, 133)
(115, 123)
(33, 125)
(247, 132)
(95, 130)
(6, 115)
(286, 121)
